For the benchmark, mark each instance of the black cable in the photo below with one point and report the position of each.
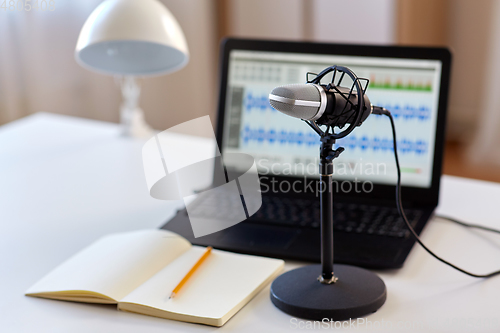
(468, 225)
(399, 204)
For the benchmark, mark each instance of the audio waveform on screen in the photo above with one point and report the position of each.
(279, 137)
(408, 111)
(376, 144)
(259, 102)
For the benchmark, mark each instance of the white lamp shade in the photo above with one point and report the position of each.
(132, 37)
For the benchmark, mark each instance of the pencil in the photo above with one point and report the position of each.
(191, 271)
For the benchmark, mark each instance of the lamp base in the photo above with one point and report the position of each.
(358, 292)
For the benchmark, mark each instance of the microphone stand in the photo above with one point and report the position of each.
(327, 155)
(351, 292)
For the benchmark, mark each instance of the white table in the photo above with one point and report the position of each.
(65, 181)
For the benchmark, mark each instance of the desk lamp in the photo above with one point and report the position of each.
(130, 39)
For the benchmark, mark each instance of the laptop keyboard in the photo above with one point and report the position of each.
(352, 218)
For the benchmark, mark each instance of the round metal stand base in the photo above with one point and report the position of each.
(358, 292)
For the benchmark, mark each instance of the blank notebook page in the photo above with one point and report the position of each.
(222, 284)
(115, 265)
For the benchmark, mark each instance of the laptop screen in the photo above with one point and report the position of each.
(287, 146)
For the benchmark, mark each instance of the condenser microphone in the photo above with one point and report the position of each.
(313, 102)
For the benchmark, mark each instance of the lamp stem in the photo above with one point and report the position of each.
(131, 115)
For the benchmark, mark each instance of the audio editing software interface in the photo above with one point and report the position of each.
(283, 145)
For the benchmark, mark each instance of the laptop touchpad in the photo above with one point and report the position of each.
(251, 235)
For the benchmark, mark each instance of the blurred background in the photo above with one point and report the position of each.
(38, 71)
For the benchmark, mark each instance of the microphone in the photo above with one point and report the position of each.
(336, 106)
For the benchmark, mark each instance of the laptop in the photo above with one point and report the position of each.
(411, 82)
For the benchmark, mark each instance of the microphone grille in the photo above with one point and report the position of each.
(297, 111)
(303, 92)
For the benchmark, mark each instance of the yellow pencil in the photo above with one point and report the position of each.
(191, 271)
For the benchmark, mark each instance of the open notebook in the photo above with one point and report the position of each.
(138, 271)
